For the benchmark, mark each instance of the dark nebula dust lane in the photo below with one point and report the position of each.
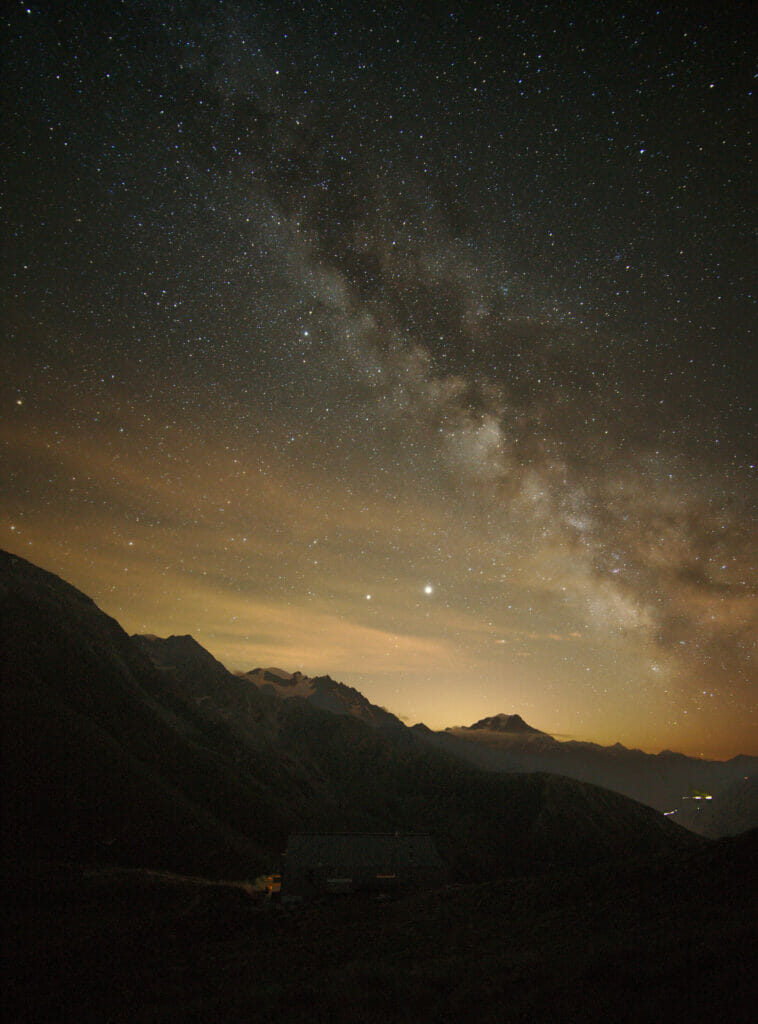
(413, 347)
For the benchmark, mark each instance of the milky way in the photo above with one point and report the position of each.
(416, 348)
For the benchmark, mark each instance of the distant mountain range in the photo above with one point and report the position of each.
(322, 692)
(666, 781)
(147, 752)
(131, 763)
(507, 743)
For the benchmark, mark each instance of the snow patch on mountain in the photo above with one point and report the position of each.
(322, 692)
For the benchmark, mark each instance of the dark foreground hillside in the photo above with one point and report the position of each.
(656, 942)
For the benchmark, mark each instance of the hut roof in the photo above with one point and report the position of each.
(362, 849)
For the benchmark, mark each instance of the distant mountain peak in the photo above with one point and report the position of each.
(506, 723)
(276, 673)
(322, 692)
(185, 644)
(182, 653)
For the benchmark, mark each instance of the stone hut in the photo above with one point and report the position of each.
(322, 863)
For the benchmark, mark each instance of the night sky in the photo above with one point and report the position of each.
(412, 344)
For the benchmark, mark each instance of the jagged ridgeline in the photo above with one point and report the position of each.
(147, 752)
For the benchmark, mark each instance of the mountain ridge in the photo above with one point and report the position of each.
(322, 692)
(149, 753)
(663, 780)
(513, 723)
(196, 697)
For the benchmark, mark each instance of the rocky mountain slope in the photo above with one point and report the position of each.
(149, 753)
(322, 692)
(103, 758)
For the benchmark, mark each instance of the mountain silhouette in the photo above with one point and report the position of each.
(140, 751)
(140, 778)
(663, 781)
(322, 692)
(506, 723)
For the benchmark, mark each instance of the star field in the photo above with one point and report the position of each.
(416, 347)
